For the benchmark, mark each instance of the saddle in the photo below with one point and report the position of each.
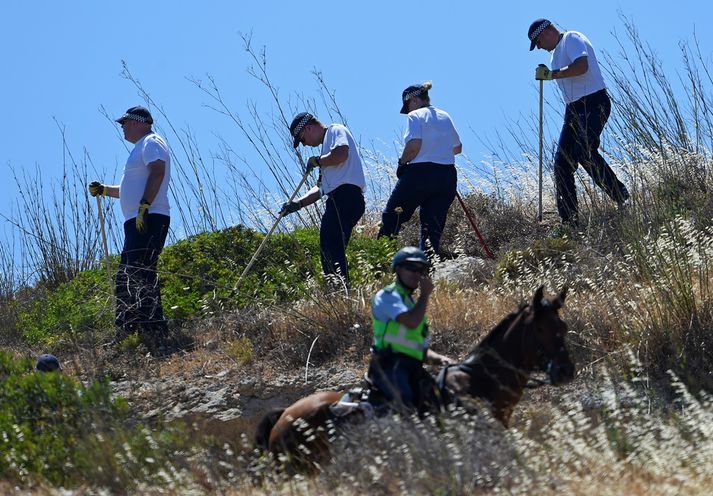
(354, 401)
(369, 401)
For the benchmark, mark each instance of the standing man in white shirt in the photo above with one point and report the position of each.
(341, 180)
(143, 194)
(575, 67)
(426, 169)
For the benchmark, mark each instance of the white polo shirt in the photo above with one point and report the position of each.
(437, 133)
(148, 149)
(572, 46)
(348, 172)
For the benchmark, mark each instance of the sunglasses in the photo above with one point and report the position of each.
(415, 267)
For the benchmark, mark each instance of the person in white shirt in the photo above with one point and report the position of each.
(341, 180)
(426, 171)
(143, 194)
(576, 70)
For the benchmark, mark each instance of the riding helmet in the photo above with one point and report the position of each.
(409, 254)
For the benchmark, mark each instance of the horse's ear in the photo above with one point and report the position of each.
(537, 299)
(559, 301)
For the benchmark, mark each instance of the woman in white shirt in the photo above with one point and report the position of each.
(426, 169)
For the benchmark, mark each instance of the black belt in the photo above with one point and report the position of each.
(343, 187)
(602, 92)
(430, 164)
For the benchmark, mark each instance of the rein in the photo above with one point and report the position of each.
(532, 382)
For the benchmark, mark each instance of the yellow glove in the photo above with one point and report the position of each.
(96, 188)
(142, 218)
(542, 73)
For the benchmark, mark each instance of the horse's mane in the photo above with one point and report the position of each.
(498, 331)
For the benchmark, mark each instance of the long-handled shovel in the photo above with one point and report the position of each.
(472, 223)
(539, 205)
(106, 246)
(277, 221)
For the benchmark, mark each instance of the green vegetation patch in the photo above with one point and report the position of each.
(75, 308)
(198, 275)
(54, 429)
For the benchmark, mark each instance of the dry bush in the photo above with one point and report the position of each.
(603, 442)
(460, 318)
(330, 326)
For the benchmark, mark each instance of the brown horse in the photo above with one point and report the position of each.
(497, 371)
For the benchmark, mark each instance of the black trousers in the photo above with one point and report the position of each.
(398, 377)
(344, 207)
(584, 122)
(429, 186)
(138, 295)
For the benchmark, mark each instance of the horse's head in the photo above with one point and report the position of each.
(498, 368)
(546, 337)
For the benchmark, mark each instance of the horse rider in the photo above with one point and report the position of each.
(402, 332)
(426, 172)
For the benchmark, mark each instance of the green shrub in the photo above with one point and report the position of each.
(197, 276)
(53, 428)
(241, 350)
(369, 259)
(76, 308)
(199, 273)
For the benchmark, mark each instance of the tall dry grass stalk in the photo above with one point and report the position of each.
(639, 304)
(57, 227)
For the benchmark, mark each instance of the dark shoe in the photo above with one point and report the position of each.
(182, 341)
(569, 225)
(624, 195)
(447, 255)
(156, 341)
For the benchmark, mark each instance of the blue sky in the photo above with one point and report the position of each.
(62, 60)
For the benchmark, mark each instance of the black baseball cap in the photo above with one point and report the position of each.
(139, 114)
(413, 90)
(535, 31)
(298, 124)
(47, 363)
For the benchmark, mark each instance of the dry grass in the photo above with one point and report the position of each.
(618, 427)
(615, 442)
(639, 307)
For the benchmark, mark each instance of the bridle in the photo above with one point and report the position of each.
(543, 362)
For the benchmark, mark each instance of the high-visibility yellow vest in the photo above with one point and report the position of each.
(397, 337)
